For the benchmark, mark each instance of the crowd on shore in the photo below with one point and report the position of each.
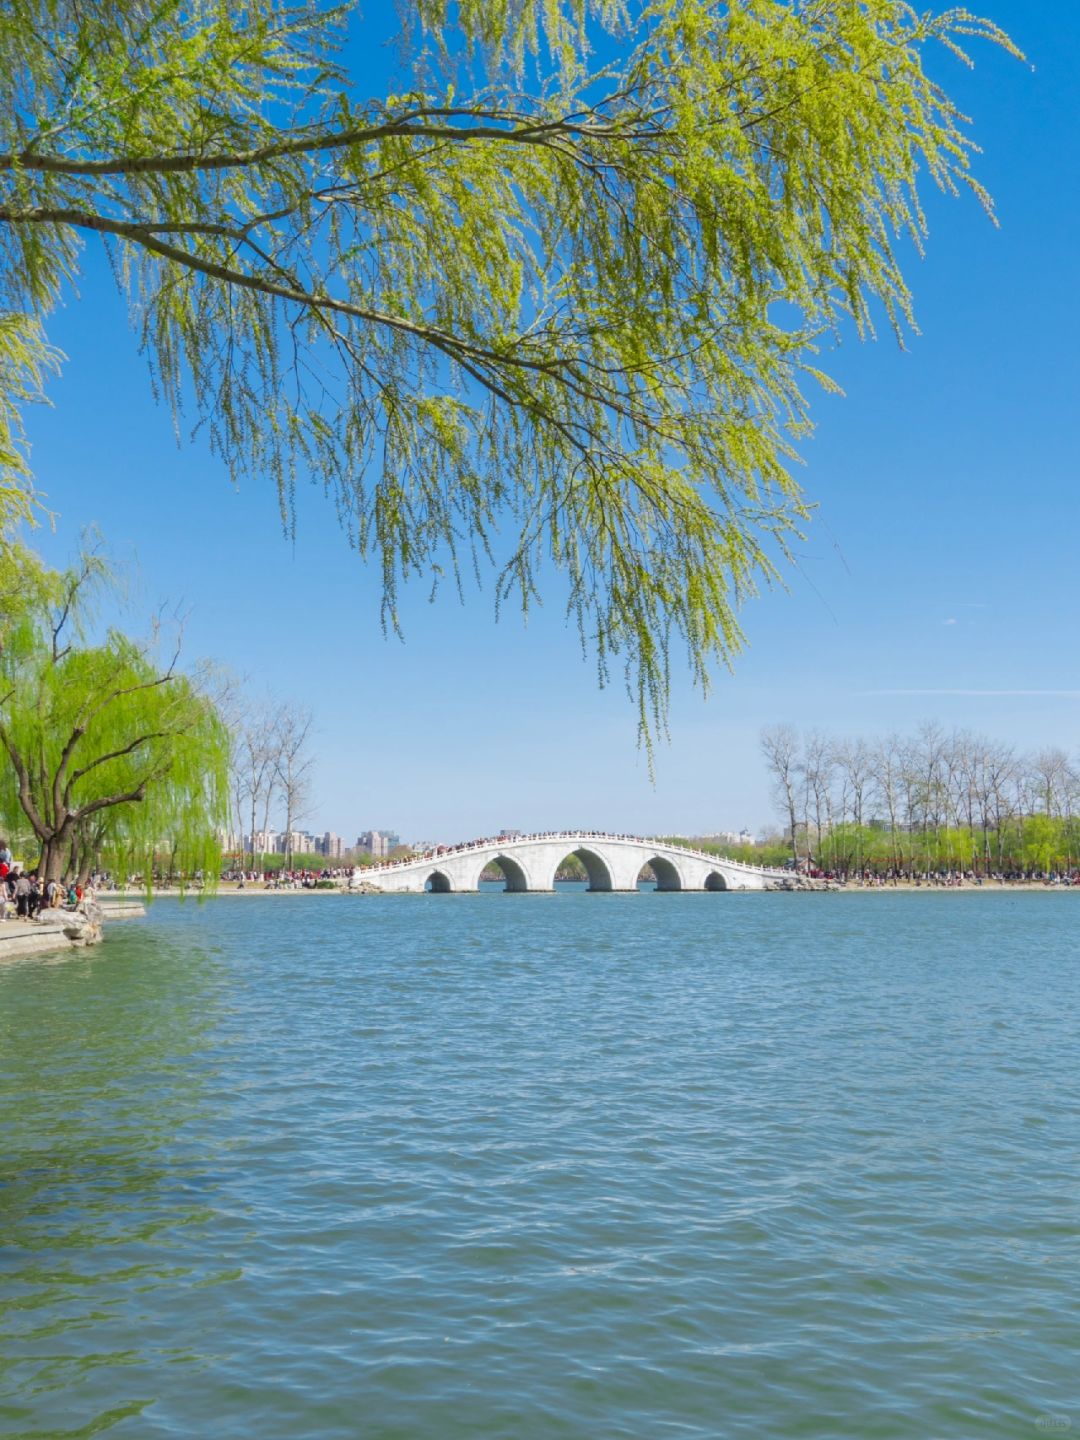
(946, 879)
(299, 879)
(24, 895)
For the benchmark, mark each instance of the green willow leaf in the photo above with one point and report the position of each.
(563, 317)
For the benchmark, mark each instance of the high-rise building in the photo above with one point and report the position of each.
(731, 837)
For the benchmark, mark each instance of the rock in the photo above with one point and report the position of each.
(83, 927)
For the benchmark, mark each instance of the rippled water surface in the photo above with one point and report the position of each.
(546, 1166)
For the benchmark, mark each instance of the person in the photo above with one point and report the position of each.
(22, 897)
(5, 854)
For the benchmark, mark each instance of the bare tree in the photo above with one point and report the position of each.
(254, 771)
(855, 761)
(780, 746)
(887, 770)
(818, 765)
(1050, 772)
(293, 767)
(927, 773)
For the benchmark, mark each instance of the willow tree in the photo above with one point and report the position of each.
(24, 359)
(107, 752)
(560, 313)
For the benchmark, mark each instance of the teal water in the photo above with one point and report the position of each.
(454, 1168)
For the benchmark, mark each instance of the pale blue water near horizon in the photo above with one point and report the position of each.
(457, 1168)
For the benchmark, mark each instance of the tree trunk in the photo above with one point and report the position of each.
(51, 864)
(794, 830)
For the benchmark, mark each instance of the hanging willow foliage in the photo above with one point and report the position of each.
(24, 359)
(106, 753)
(567, 316)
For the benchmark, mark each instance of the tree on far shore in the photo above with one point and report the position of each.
(108, 751)
(293, 765)
(252, 773)
(554, 303)
(781, 748)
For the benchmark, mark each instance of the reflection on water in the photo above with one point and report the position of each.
(534, 1166)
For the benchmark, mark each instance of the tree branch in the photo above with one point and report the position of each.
(538, 133)
(26, 799)
(77, 775)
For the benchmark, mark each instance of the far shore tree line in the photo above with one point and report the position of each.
(925, 804)
(111, 754)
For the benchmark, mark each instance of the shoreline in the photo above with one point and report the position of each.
(61, 932)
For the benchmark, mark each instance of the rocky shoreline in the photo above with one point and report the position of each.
(59, 930)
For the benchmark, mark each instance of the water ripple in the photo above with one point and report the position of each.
(535, 1167)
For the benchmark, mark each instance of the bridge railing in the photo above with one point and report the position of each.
(650, 842)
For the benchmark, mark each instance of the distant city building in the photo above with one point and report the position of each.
(304, 842)
(277, 842)
(731, 837)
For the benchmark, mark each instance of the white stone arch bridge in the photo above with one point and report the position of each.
(530, 863)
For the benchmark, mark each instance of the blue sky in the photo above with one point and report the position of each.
(937, 579)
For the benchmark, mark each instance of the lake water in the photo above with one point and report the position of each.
(590, 1166)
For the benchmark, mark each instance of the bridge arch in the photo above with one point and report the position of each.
(597, 868)
(665, 872)
(716, 881)
(517, 882)
(438, 884)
